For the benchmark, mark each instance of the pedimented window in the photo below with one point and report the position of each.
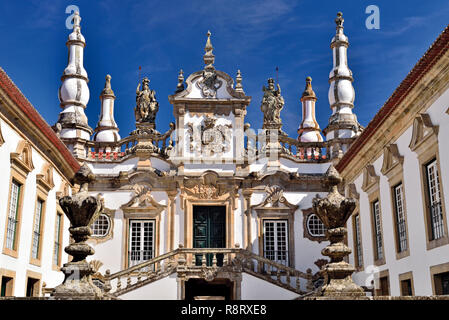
(22, 158)
(392, 161)
(424, 133)
(370, 179)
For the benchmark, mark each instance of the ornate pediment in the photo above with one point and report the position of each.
(423, 131)
(370, 178)
(22, 158)
(45, 179)
(275, 201)
(208, 187)
(142, 201)
(205, 187)
(391, 159)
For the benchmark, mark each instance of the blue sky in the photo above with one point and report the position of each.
(253, 36)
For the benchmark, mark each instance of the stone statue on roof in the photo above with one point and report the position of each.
(146, 103)
(272, 103)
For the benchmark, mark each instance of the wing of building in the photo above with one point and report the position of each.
(398, 170)
(214, 208)
(36, 169)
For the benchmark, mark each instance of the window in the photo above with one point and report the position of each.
(13, 215)
(441, 281)
(315, 227)
(37, 229)
(32, 287)
(275, 238)
(358, 242)
(401, 229)
(384, 286)
(377, 230)
(406, 287)
(101, 226)
(58, 239)
(6, 286)
(141, 241)
(434, 200)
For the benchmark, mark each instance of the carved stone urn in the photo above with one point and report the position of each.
(81, 209)
(334, 210)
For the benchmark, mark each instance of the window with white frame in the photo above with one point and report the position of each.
(275, 238)
(434, 193)
(141, 241)
(13, 215)
(57, 246)
(37, 229)
(401, 229)
(377, 230)
(101, 226)
(358, 241)
(315, 227)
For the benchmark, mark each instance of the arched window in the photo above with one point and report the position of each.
(315, 227)
(101, 226)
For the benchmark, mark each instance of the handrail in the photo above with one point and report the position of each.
(181, 261)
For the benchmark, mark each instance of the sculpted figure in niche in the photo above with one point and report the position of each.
(146, 104)
(272, 103)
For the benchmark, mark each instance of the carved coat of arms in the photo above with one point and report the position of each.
(209, 138)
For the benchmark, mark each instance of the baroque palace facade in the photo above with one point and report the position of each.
(215, 209)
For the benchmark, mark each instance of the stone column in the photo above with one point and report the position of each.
(247, 244)
(81, 209)
(171, 220)
(334, 211)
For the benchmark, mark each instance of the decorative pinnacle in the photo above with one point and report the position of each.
(209, 57)
(238, 80)
(308, 92)
(339, 20)
(76, 21)
(107, 87)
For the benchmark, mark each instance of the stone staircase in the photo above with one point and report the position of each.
(208, 264)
